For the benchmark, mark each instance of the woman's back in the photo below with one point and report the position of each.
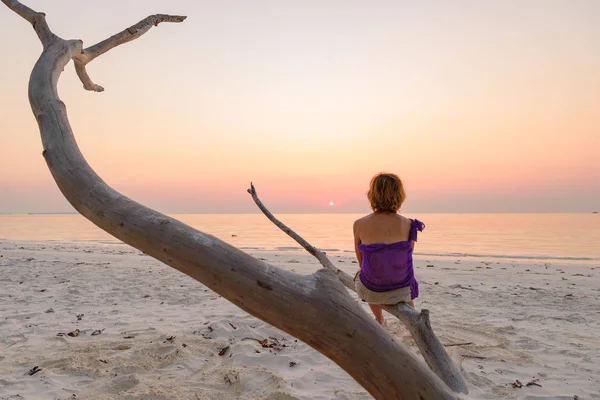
(386, 257)
(383, 228)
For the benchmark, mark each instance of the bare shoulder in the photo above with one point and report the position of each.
(405, 219)
(404, 222)
(361, 222)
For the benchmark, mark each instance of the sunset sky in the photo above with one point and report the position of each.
(480, 106)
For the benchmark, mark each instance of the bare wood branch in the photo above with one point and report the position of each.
(316, 308)
(432, 350)
(21, 9)
(129, 34)
(38, 20)
(81, 71)
(323, 259)
(417, 323)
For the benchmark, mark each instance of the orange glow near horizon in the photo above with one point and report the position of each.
(477, 108)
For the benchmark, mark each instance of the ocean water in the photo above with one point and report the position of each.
(564, 238)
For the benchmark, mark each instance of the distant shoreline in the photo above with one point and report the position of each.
(327, 213)
(42, 213)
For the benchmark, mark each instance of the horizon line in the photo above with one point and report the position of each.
(324, 213)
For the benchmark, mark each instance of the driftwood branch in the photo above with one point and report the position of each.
(21, 9)
(316, 308)
(323, 259)
(36, 19)
(129, 34)
(417, 323)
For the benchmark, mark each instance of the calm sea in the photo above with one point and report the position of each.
(565, 238)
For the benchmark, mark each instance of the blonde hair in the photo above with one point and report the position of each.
(386, 193)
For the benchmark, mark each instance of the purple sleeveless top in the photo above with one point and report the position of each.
(387, 267)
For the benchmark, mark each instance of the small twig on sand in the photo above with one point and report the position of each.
(34, 370)
(458, 344)
(474, 356)
(533, 382)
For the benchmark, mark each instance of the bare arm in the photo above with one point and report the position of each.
(356, 243)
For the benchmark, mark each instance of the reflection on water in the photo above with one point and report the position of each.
(565, 237)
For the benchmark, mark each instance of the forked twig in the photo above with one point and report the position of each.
(127, 35)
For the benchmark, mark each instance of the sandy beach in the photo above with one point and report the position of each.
(108, 322)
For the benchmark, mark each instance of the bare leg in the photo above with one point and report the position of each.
(378, 312)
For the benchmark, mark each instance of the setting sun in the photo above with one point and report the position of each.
(331, 204)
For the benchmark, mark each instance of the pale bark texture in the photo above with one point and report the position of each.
(316, 309)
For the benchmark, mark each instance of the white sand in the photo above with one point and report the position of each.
(526, 321)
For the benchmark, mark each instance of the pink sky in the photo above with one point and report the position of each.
(479, 107)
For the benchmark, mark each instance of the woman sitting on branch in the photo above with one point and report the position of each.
(384, 242)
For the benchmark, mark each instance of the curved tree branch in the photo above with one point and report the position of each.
(316, 308)
(38, 20)
(417, 323)
(129, 34)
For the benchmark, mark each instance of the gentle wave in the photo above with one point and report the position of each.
(442, 254)
(99, 241)
(509, 256)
